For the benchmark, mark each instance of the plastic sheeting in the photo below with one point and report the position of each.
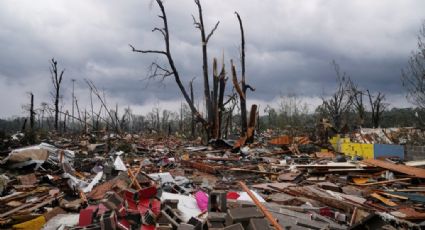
(162, 177)
(187, 205)
(76, 183)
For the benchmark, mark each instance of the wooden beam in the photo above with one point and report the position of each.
(260, 206)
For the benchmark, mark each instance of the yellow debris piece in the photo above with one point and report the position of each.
(34, 224)
(185, 157)
(383, 199)
(360, 180)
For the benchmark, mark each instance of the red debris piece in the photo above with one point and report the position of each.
(232, 195)
(147, 227)
(86, 216)
(148, 193)
(282, 140)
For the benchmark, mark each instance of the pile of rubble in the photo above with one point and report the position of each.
(131, 182)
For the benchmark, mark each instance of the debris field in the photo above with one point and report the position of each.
(136, 182)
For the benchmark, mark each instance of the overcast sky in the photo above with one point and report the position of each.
(290, 45)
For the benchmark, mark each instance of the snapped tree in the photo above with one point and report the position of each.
(213, 100)
(32, 113)
(242, 87)
(199, 24)
(56, 81)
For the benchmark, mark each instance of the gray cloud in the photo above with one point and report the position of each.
(290, 45)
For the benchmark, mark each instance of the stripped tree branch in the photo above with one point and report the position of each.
(196, 23)
(115, 123)
(160, 30)
(235, 81)
(249, 87)
(147, 51)
(158, 71)
(212, 31)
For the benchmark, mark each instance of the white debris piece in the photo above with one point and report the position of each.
(119, 164)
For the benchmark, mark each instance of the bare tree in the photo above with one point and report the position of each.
(126, 119)
(165, 119)
(158, 121)
(210, 122)
(161, 71)
(30, 109)
(242, 87)
(78, 112)
(341, 100)
(413, 76)
(56, 80)
(66, 115)
(112, 115)
(32, 113)
(91, 105)
(292, 111)
(358, 103)
(377, 107)
(43, 108)
(271, 116)
(228, 128)
(181, 118)
(205, 39)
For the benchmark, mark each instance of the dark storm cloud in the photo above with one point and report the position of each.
(290, 45)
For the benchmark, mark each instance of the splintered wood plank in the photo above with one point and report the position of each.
(412, 171)
(383, 199)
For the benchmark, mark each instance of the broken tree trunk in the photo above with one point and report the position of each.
(241, 89)
(210, 103)
(215, 128)
(32, 113)
(56, 80)
(192, 121)
(243, 85)
(219, 84)
(222, 86)
(23, 125)
(201, 27)
(242, 99)
(64, 121)
(251, 124)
